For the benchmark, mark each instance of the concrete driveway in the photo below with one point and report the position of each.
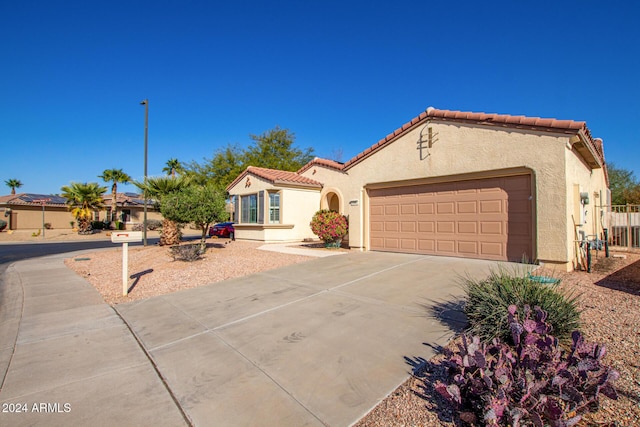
(317, 343)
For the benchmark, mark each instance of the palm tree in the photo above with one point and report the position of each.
(13, 184)
(115, 176)
(173, 167)
(157, 188)
(83, 200)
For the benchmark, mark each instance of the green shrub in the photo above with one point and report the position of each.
(153, 224)
(97, 225)
(329, 225)
(3, 224)
(488, 300)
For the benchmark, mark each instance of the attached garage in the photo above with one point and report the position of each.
(489, 218)
(462, 184)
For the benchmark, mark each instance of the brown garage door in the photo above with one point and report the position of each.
(484, 218)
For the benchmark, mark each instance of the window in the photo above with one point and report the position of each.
(274, 208)
(249, 206)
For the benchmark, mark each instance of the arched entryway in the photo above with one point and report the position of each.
(332, 199)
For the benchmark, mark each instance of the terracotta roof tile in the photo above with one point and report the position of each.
(331, 164)
(500, 120)
(277, 177)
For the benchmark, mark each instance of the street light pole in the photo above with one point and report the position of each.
(146, 138)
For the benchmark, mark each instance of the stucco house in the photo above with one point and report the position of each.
(24, 211)
(464, 184)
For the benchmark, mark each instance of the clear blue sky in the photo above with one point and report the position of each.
(339, 74)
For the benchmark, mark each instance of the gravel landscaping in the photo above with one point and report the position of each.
(154, 271)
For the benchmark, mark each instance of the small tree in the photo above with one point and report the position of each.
(274, 149)
(158, 188)
(202, 205)
(624, 186)
(329, 226)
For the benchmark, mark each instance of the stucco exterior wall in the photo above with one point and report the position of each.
(30, 217)
(465, 151)
(586, 218)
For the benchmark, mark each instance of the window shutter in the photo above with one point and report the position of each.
(236, 209)
(261, 207)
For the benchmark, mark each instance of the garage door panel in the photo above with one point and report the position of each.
(467, 227)
(392, 243)
(377, 226)
(426, 227)
(519, 206)
(408, 209)
(494, 228)
(468, 248)
(446, 208)
(446, 246)
(519, 228)
(446, 227)
(391, 210)
(408, 226)
(392, 226)
(484, 218)
(376, 210)
(426, 208)
(408, 244)
(470, 207)
(427, 245)
(490, 206)
(491, 250)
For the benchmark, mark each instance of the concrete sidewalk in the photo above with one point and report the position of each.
(71, 360)
(316, 343)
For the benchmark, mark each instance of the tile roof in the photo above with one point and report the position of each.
(31, 199)
(277, 177)
(331, 164)
(125, 199)
(496, 120)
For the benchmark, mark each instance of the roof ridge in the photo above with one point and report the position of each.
(491, 119)
(333, 164)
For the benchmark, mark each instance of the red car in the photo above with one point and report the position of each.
(223, 230)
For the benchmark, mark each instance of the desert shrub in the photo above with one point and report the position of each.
(487, 302)
(97, 225)
(329, 225)
(535, 382)
(186, 252)
(3, 224)
(48, 226)
(153, 224)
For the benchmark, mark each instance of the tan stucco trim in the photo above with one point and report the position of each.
(248, 226)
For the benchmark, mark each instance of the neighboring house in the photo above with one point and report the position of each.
(24, 211)
(487, 186)
(130, 209)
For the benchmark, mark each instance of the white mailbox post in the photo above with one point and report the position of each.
(125, 237)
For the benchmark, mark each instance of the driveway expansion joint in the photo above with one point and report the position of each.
(185, 416)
